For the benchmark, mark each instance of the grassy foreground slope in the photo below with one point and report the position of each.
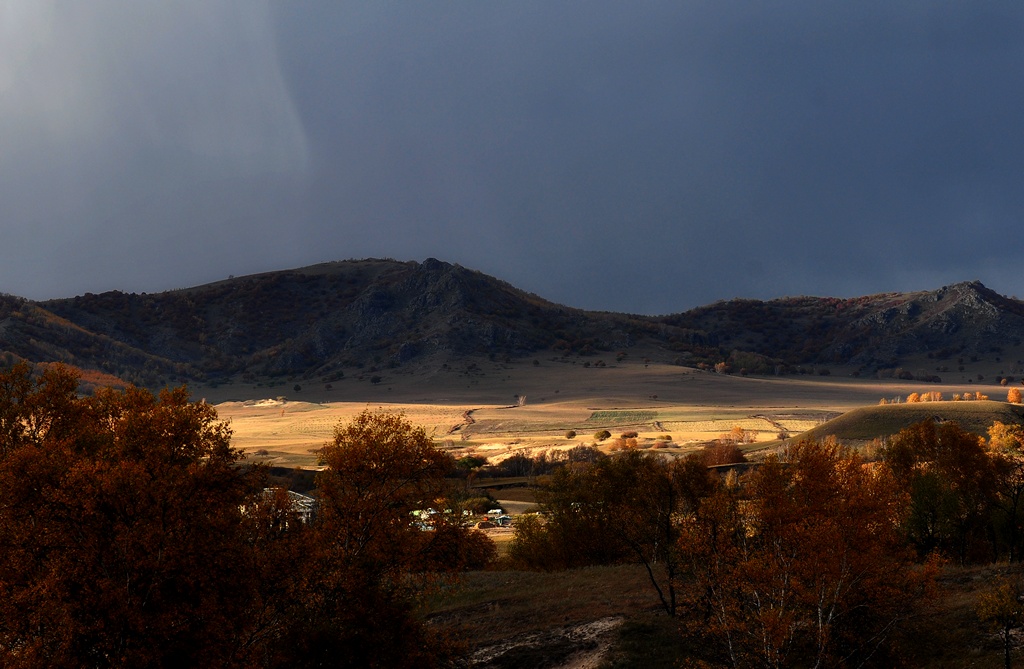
(524, 620)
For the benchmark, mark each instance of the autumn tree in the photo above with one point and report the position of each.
(1001, 605)
(120, 527)
(574, 532)
(1013, 396)
(1006, 437)
(722, 453)
(616, 510)
(805, 567)
(1005, 449)
(641, 496)
(737, 435)
(373, 562)
(951, 481)
(279, 571)
(130, 535)
(1008, 504)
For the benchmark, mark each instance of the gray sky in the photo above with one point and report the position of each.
(629, 156)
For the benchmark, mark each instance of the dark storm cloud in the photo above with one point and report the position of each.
(642, 157)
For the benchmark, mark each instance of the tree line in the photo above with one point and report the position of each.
(133, 534)
(130, 535)
(814, 558)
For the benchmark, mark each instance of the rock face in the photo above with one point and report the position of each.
(317, 321)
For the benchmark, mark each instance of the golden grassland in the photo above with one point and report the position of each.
(478, 413)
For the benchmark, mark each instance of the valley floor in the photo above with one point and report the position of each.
(480, 412)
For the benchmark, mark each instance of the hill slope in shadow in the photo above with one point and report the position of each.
(318, 321)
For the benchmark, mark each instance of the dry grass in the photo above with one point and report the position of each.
(690, 405)
(949, 635)
(489, 608)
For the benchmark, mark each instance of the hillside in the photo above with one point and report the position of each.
(871, 332)
(867, 423)
(362, 316)
(318, 321)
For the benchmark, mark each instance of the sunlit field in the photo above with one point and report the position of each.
(483, 414)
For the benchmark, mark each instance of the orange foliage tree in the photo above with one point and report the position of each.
(808, 567)
(1002, 607)
(619, 509)
(131, 536)
(120, 527)
(1006, 448)
(951, 480)
(373, 562)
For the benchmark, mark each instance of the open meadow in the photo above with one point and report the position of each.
(478, 412)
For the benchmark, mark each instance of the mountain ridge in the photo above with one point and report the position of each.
(317, 322)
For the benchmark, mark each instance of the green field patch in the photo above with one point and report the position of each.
(621, 417)
(492, 426)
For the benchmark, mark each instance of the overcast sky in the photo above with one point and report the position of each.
(634, 156)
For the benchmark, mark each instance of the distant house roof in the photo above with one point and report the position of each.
(303, 505)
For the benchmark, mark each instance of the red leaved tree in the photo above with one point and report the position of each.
(810, 568)
(119, 524)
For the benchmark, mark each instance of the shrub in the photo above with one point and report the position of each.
(722, 454)
(738, 436)
(629, 435)
(469, 462)
(601, 435)
(583, 454)
(624, 444)
(571, 434)
(478, 505)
